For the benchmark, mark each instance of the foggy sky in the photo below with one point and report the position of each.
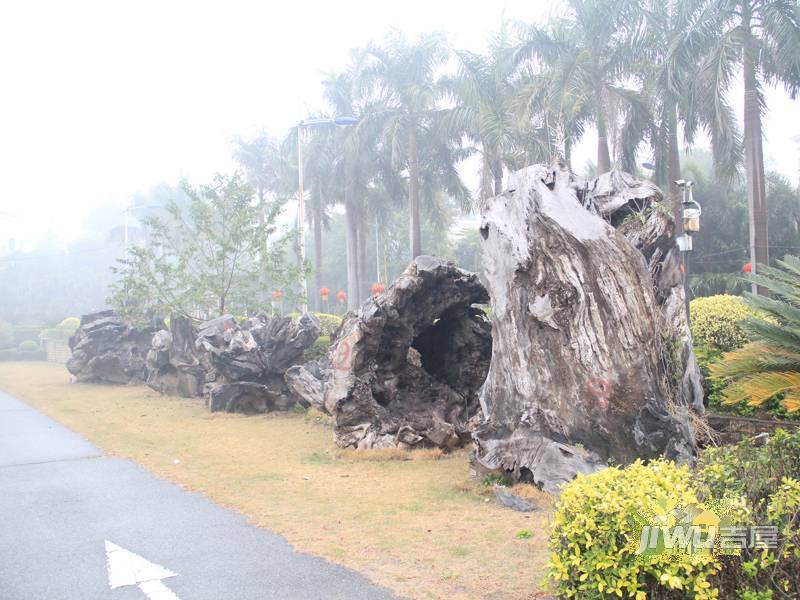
(103, 99)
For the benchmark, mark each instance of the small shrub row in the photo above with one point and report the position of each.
(717, 322)
(10, 355)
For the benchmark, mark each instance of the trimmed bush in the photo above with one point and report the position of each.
(329, 323)
(28, 346)
(70, 324)
(717, 322)
(16, 355)
(24, 333)
(318, 348)
(595, 536)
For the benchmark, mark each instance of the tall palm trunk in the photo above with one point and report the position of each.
(754, 161)
(318, 216)
(603, 155)
(415, 229)
(262, 228)
(498, 177)
(351, 247)
(363, 275)
(674, 170)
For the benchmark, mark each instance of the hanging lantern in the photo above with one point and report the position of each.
(747, 268)
(277, 295)
(341, 296)
(324, 293)
(377, 288)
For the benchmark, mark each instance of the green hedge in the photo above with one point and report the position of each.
(14, 355)
(318, 348)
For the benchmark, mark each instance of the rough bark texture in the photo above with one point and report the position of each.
(406, 368)
(580, 369)
(173, 364)
(248, 363)
(105, 348)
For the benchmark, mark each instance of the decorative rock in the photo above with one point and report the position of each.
(173, 365)
(406, 368)
(257, 354)
(105, 348)
(579, 372)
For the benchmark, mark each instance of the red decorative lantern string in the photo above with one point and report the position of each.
(277, 295)
(341, 296)
(747, 268)
(324, 293)
(377, 288)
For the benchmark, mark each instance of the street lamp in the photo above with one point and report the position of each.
(301, 206)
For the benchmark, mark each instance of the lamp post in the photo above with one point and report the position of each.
(301, 205)
(691, 224)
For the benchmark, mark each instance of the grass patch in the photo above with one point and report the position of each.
(410, 521)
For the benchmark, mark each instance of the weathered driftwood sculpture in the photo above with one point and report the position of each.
(106, 348)
(583, 366)
(405, 369)
(247, 364)
(173, 365)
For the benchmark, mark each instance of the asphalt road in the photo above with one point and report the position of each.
(61, 500)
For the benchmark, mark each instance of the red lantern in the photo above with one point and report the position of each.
(277, 295)
(377, 288)
(747, 268)
(341, 296)
(324, 293)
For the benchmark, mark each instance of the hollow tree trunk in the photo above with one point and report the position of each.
(577, 374)
(415, 229)
(754, 164)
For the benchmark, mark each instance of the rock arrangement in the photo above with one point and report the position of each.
(405, 369)
(105, 348)
(174, 366)
(246, 364)
(583, 367)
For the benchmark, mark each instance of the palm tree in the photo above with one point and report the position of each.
(762, 38)
(265, 169)
(667, 65)
(484, 92)
(583, 58)
(770, 365)
(400, 76)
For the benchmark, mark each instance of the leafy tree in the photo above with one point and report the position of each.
(200, 261)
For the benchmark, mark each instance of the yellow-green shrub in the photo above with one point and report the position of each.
(70, 323)
(716, 321)
(329, 322)
(595, 537)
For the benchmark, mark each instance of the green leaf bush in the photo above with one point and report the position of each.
(717, 322)
(595, 536)
(318, 349)
(753, 483)
(28, 346)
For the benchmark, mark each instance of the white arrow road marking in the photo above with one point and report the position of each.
(126, 568)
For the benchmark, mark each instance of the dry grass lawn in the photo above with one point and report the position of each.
(417, 526)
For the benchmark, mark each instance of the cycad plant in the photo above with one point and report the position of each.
(770, 364)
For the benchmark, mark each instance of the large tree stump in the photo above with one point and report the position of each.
(580, 371)
(405, 369)
(108, 349)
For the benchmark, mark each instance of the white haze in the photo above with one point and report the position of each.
(101, 100)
